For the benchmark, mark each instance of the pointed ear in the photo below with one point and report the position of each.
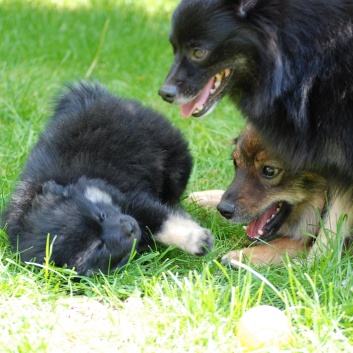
(51, 187)
(243, 6)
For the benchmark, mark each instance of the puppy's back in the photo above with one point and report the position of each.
(96, 134)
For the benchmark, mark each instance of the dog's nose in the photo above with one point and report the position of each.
(168, 93)
(226, 210)
(128, 226)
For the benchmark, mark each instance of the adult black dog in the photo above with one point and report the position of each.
(106, 173)
(287, 64)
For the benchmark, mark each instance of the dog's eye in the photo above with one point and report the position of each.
(270, 172)
(199, 54)
(102, 216)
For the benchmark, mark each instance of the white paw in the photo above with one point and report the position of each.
(185, 234)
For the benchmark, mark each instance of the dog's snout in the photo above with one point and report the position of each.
(128, 226)
(226, 210)
(168, 93)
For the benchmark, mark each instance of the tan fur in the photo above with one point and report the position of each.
(265, 254)
(208, 198)
(340, 213)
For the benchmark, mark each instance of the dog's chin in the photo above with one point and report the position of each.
(265, 226)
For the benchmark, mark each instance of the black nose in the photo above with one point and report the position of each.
(168, 93)
(226, 210)
(128, 226)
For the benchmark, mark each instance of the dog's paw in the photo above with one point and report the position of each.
(233, 258)
(210, 198)
(185, 234)
(314, 256)
(200, 241)
(252, 256)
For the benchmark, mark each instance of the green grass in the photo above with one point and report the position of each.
(164, 300)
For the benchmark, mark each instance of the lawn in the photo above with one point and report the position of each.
(164, 300)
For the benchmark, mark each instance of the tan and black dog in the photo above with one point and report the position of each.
(282, 209)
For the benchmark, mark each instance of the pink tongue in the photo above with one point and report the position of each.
(259, 223)
(188, 108)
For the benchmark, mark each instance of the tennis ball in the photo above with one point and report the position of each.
(263, 326)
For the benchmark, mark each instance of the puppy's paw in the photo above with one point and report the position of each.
(253, 256)
(200, 241)
(233, 258)
(206, 198)
(185, 234)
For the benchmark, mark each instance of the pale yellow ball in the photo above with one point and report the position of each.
(263, 326)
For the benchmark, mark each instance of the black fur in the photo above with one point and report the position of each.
(292, 72)
(105, 173)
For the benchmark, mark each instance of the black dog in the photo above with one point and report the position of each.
(286, 64)
(106, 173)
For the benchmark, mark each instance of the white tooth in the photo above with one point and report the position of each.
(267, 221)
(244, 227)
(260, 232)
(226, 72)
(273, 216)
(278, 209)
(217, 84)
(198, 109)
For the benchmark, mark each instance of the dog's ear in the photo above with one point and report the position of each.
(243, 6)
(51, 187)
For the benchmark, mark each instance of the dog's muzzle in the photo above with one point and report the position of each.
(168, 93)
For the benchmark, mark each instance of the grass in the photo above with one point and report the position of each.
(164, 300)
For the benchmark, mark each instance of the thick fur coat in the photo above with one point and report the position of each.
(106, 174)
(286, 64)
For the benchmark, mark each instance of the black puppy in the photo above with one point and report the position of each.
(106, 173)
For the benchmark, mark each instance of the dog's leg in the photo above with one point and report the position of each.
(265, 254)
(337, 223)
(169, 226)
(206, 198)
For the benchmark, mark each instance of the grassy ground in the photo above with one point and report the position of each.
(165, 300)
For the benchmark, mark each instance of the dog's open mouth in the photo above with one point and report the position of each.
(266, 226)
(210, 95)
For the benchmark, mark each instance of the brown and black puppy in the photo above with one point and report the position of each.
(280, 207)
